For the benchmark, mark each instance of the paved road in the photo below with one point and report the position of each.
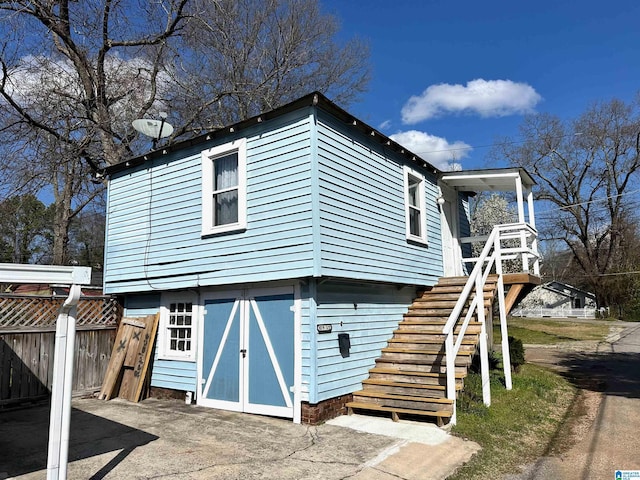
(613, 441)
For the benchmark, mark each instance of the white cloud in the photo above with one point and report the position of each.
(39, 81)
(435, 150)
(487, 98)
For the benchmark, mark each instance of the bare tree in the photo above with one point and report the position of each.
(587, 170)
(73, 75)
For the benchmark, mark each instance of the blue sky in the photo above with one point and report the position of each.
(473, 69)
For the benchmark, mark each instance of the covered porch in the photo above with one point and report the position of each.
(514, 242)
(519, 243)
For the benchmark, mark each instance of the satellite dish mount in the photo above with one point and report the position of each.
(156, 129)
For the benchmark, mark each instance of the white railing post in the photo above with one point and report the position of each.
(451, 374)
(484, 352)
(504, 332)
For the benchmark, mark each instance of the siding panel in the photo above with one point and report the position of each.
(154, 217)
(369, 314)
(362, 217)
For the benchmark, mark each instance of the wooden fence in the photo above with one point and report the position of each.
(27, 336)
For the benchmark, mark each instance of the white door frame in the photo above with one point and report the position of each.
(450, 232)
(243, 300)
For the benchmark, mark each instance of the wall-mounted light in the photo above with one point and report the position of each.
(440, 199)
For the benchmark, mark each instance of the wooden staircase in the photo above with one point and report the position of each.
(410, 376)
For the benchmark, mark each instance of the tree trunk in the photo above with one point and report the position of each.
(61, 237)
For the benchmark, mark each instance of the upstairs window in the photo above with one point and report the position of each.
(415, 213)
(224, 188)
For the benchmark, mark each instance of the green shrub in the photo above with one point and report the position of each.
(516, 352)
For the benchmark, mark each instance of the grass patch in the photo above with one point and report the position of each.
(549, 332)
(520, 424)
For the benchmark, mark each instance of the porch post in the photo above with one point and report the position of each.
(521, 219)
(532, 222)
(504, 331)
(484, 351)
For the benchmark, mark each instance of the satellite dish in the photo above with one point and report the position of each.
(155, 129)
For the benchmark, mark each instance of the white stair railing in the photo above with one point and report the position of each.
(489, 260)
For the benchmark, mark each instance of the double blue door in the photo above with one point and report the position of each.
(248, 353)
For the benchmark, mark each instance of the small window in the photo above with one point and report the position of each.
(177, 339)
(415, 206)
(224, 188)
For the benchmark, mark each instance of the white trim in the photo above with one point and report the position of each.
(422, 238)
(177, 297)
(297, 354)
(450, 232)
(51, 274)
(207, 158)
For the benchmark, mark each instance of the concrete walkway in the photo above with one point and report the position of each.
(163, 439)
(613, 440)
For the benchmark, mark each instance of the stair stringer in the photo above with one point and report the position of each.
(409, 377)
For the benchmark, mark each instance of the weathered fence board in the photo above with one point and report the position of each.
(27, 338)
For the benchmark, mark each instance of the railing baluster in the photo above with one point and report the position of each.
(492, 254)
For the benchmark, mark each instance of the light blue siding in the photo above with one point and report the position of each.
(154, 217)
(362, 216)
(369, 313)
(323, 199)
(176, 375)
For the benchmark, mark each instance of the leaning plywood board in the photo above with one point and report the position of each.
(130, 358)
(137, 360)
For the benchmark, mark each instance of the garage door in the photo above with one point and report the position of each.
(247, 360)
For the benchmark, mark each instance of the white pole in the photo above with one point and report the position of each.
(504, 332)
(484, 351)
(62, 383)
(521, 219)
(532, 222)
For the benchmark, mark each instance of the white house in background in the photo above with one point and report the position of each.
(556, 299)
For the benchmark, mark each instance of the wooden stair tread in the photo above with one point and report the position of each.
(423, 352)
(392, 371)
(391, 383)
(415, 361)
(465, 341)
(408, 411)
(410, 398)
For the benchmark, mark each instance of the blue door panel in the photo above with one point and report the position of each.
(278, 319)
(225, 384)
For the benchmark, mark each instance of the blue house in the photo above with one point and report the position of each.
(284, 251)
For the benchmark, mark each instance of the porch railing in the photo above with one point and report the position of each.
(490, 260)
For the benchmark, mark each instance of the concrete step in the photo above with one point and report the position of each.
(440, 415)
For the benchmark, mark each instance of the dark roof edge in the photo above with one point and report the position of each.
(312, 99)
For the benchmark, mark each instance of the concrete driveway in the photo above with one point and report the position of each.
(165, 439)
